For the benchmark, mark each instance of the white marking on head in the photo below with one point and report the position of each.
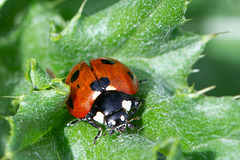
(111, 88)
(112, 122)
(127, 105)
(99, 117)
(95, 94)
(122, 118)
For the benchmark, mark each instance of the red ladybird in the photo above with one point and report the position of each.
(101, 94)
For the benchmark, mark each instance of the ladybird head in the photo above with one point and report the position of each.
(117, 121)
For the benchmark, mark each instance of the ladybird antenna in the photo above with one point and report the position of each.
(111, 131)
(141, 100)
(133, 119)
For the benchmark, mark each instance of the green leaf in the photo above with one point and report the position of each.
(9, 74)
(141, 25)
(125, 146)
(176, 121)
(36, 76)
(37, 43)
(38, 110)
(4, 133)
(172, 149)
(207, 126)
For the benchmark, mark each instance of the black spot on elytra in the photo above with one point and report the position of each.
(95, 86)
(104, 81)
(78, 86)
(75, 76)
(131, 75)
(108, 61)
(70, 103)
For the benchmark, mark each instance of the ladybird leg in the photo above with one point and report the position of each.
(98, 135)
(142, 80)
(73, 122)
(110, 132)
(76, 121)
(136, 105)
(131, 126)
(90, 121)
(133, 111)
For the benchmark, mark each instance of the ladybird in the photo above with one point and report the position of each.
(101, 94)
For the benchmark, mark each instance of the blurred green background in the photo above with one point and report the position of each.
(221, 64)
